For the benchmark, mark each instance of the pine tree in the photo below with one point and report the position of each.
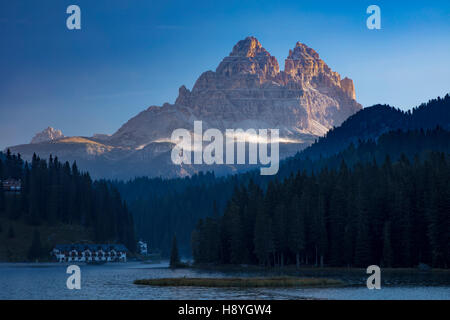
(35, 250)
(387, 246)
(321, 236)
(196, 242)
(338, 213)
(174, 255)
(438, 213)
(11, 233)
(2, 200)
(297, 240)
(280, 233)
(235, 234)
(263, 241)
(362, 249)
(212, 240)
(2, 195)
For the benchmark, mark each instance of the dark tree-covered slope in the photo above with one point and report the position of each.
(372, 122)
(54, 193)
(164, 207)
(388, 214)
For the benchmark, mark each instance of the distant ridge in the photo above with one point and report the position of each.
(372, 122)
(47, 135)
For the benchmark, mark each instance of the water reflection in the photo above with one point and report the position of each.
(115, 281)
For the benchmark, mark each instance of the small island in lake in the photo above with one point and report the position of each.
(280, 282)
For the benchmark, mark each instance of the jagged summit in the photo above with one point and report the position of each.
(303, 68)
(304, 65)
(249, 47)
(46, 135)
(302, 51)
(249, 57)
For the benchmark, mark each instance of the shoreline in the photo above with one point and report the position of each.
(244, 268)
(294, 269)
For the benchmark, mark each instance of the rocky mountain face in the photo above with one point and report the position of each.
(47, 135)
(247, 90)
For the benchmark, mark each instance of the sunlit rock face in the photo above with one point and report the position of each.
(247, 90)
(47, 135)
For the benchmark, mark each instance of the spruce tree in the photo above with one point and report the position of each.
(174, 255)
(297, 240)
(196, 243)
(35, 250)
(263, 241)
(11, 233)
(387, 246)
(236, 236)
(2, 200)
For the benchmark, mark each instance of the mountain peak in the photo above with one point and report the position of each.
(46, 135)
(302, 51)
(248, 57)
(249, 47)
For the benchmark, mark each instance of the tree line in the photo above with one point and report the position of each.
(53, 192)
(164, 207)
(393, 214)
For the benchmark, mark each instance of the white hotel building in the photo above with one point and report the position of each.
(90, 253)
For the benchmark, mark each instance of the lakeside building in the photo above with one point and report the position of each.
(142, 247)
(11, 185)
(90, 253)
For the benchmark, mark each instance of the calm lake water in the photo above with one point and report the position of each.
(115, 281)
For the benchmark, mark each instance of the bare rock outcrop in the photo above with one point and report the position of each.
(47, 135)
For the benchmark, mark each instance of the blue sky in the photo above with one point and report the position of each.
(133, 54)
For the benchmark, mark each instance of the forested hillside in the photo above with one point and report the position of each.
(163, 208)
(388, 214)
(372, 122)
(55, 194)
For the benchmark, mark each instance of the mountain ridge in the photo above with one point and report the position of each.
(247, 90)
(373, 121)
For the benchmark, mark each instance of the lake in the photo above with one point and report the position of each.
(115, 281)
